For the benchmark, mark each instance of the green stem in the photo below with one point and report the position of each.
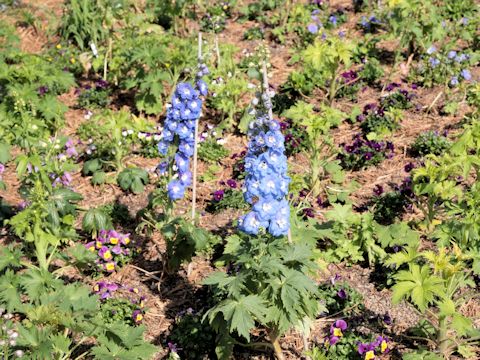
(277, 349)
(442, 338)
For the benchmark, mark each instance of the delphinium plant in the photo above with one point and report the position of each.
(178, 144)
(268, 284)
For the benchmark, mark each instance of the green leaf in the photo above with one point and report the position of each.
(461, 324)
(98, 178)
(4, 153)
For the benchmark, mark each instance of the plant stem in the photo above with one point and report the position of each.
(276, 345)
(442, 338)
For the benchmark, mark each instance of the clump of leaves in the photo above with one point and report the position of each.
(227, 199)
(363, 153)
(430, 142)
(211, 150)
(340, 297)
(268, 286)
(193, 338)
(133, 179)
(437, 282)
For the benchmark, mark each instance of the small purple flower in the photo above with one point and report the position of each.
(434, 62)
(335, 278)
(218, 195)
(465, 73)
(378, 190)
(431, 50)
(409, 167)
(312, 28)
(368, 155)
(173, 348)
(2, 169)
(232, 183)
(137, 316)
(342, 294)
(42, 90)
(451, 54)
(308, 213)
(333, 20)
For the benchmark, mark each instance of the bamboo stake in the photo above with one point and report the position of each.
(195, 146)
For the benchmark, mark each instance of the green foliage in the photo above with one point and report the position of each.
(381, 123)
(94, 98)
(231, 199)
(96, 219)
(133, 179)
(110, 138)
(372, 71)
(416, 24)
(154, 66)
(327, 58)
(356, 237)
(89, 21)
(432, 282)
(211, 151)
(117, 310)
(49, 219)
(29, 108)
(123, 342)
(57, 318)
(269, 287)
(184, 240)
(194, 338)
(316, 125)
(430, 142)
(335, 303)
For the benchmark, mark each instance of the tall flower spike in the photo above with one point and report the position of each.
(181, 124)
(266, 183)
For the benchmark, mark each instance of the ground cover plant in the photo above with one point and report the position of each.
(248, 179)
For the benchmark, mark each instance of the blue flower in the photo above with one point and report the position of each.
(202, 87)
(451, 54)
(333, 20)
(186, 148)
(163, 147)
(312, 28)
(162, 167)
(434, 62)
(465, 73)
(454, 81)
(249, 223)
(182, 162)
(180, 122)
(431, 50)
(266, 208)
(279, 225)
(175, 190)
(183, 131)
(266, 183)
(460, 58)
(185, 178)
(185, 91)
